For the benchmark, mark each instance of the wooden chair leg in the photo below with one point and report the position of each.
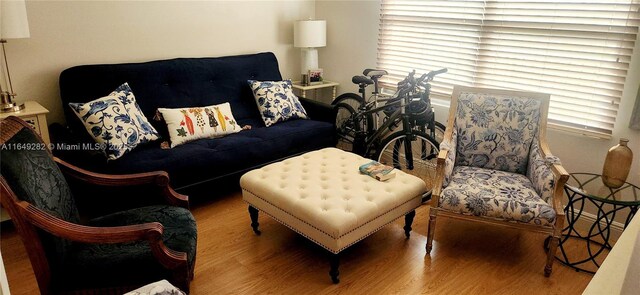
(551, 255)
(432, 229)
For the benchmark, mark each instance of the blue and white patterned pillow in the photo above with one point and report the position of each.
(110, 125)
(146, 132)
(276, 101)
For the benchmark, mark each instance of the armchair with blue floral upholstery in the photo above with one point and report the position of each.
(495, 167)
(110, 254)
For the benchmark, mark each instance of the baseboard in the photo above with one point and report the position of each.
(586, 220)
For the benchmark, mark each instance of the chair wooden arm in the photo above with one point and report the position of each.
(158, 178)
(561, 177)
(437, 185)
(150, 232)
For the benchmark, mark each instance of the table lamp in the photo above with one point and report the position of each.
(13, 25)
(308, 35)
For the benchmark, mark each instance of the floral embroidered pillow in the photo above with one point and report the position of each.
(146, 132)
(107, 121)
(276, 101)
(189, 124)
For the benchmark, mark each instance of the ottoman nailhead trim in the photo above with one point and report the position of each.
(312, 226)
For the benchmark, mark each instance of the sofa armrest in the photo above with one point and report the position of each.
(318, 111)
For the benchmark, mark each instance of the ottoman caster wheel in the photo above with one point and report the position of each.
(335, 280)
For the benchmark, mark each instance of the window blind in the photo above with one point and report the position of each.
(577, 51)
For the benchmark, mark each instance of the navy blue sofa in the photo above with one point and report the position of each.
(185, 82)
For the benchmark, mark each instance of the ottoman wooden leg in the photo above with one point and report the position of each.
(334, 273)
(408, 220)
(253, 212)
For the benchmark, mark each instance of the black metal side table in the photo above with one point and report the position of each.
(587, 191)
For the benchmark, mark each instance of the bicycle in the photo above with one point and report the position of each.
(357, 101)
(410, 149)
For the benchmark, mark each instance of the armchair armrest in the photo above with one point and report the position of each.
(318, 111)
(437, 185)
(159, 179)
(150, 232)
(561, 175)
(547, 176)
(445, 163)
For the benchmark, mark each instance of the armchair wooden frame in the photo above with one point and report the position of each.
(28, 219)
(560, 176)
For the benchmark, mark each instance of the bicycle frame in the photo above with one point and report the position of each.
(364, 148)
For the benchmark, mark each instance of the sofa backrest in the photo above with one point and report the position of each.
(172, 83)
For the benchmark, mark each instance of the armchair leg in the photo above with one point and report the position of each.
(432, 229)
(551, 255)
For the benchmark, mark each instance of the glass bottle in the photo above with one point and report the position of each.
(617, 164)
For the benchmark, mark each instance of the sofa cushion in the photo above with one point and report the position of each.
(189, 124)
(495, 194)
(205, 159)
(276, 101)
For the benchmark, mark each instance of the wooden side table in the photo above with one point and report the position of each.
(36, 115)
(302, 89)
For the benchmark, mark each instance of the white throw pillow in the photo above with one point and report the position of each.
(107, 121)
(188, 124)
(146, 132)
(276, 101)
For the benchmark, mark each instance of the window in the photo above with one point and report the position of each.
(576, 50)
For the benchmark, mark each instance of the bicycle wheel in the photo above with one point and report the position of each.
(417, 156)
(351, 99)
(345, 127)
(355, 101)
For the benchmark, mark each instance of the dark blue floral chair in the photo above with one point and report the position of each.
(108, 254)
(495, 166)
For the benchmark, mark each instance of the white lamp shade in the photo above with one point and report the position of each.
(13, 19)
(310, 33)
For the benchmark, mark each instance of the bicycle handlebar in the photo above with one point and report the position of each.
(438, 72)
(409, 83)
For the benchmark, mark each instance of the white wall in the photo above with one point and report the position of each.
(351, 47)
(70, 33)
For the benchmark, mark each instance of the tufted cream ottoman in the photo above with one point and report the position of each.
(322, 196)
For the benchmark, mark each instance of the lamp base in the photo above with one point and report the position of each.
(308, 60)
(7, 105)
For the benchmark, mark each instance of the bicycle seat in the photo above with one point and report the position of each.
(361, 80)
(374, 73)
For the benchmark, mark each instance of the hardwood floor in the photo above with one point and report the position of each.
(466, 259)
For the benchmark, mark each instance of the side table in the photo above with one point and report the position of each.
(302, 89)
(36, 115)
(586, 190)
